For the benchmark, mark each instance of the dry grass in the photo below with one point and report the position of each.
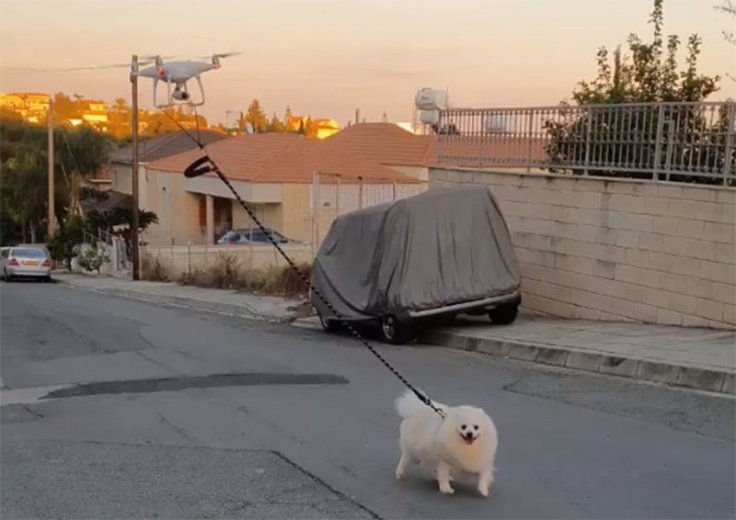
(152, 269)
(227, 273)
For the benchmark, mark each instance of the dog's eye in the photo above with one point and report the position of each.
(475, 426)
(463, 427)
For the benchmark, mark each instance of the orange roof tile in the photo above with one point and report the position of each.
(387, 143)
(283, 158)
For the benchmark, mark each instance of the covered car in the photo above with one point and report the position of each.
(443, 252)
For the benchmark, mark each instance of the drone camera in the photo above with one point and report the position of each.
(181, 95)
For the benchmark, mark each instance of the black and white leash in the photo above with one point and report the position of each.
(206, 164)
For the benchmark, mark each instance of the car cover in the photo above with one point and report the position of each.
(442, 247)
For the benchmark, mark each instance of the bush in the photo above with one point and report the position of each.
(225, 273)
(63, 245)
(93, 258)
(153, 270)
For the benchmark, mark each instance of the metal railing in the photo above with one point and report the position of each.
(685, 142)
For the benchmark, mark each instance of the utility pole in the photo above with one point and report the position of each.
(52, 200)
(134, 176)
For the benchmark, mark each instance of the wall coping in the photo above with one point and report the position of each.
(547, 175)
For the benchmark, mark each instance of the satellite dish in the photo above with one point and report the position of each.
(249, 129)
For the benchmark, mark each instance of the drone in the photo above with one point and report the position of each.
(174, 74)
(177, 74)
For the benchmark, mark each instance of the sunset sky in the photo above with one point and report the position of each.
(328, 57)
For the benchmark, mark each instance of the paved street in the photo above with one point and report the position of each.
(303, 425)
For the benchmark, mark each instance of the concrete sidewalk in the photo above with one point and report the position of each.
(704, 359)
(219, 301)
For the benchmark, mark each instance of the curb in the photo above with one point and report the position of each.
(707, 379)
(240, 310)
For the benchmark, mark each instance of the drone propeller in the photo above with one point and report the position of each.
(144, 60)
(221, 55)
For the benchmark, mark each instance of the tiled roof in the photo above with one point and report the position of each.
(163, 146)
(283, 158)
(387, 143)
(472, 152)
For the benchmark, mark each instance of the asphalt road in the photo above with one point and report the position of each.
(303, 425)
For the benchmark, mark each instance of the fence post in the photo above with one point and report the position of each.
(658, 142)
(315, 211)
(588, 130)
(394, 190)
(189, 256)
(531, 140)
(360, 192)
(730, 138)
(337, 195)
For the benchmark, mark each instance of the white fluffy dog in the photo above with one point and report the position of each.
(465, 441)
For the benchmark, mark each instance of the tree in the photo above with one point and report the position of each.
(256, 117)
(648, 74)
(65, 108)
(287, 120)
(23, 192)
(728, 7)
(275, 125)
(78, 154)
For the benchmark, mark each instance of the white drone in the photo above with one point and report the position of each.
(173, 73)
(178, 73)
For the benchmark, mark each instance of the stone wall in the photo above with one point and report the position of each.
(618, 250)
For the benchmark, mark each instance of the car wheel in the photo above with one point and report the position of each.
(504, 314)
(328, 325)
(394, 331)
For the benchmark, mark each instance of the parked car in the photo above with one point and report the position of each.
(244, 236)
(27, 261)
(438, 254)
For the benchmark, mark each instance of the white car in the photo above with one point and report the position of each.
(25, 262)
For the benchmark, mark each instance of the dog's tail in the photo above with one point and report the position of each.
(408, 404)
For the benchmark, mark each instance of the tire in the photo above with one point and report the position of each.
(394, 331)
(328, 325)
(47, 279)
(504, 314)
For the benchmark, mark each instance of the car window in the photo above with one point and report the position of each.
(28, 252)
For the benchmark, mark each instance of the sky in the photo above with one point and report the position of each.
(326, 58)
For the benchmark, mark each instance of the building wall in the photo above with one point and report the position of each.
(296, 215)
(178, 210)
(616, 249)
(269, 215)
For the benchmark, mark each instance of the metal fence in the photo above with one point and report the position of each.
(690, 142)
(334, 195)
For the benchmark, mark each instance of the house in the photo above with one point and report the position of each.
(273, 173)
(94, 113)
(322, 128)
(391, 146)
(121, 160)
(31, 106)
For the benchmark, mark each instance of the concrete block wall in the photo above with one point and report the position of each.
(618, 250)
(177, 260)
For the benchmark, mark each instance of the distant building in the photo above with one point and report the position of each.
(32, 107)
(323, 127)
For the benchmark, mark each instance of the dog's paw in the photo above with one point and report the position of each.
(485, 492)
(447, 490)
(400, 475)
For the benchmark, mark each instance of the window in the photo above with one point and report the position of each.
(27, 252)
